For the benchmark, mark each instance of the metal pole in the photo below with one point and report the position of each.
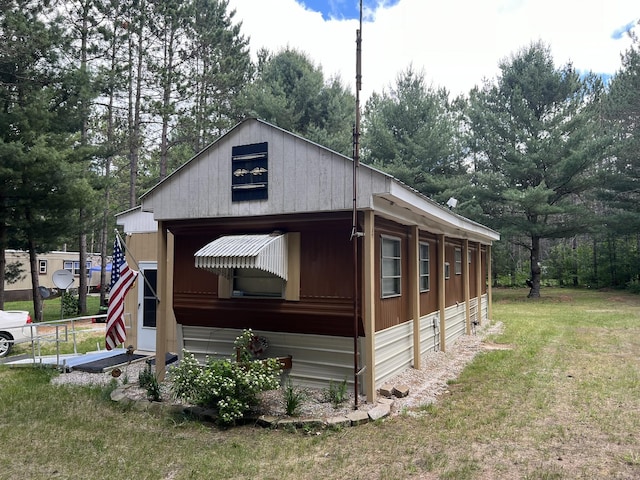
(354, 227)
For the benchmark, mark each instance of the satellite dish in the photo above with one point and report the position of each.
(63, 279)
(44, 292)
(452, 203)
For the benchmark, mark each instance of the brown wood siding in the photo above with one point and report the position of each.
(393, 310)
(326, 278)
(429, 300)
(454, 288)
(473, 251)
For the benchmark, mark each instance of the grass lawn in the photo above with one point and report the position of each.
(51, 307)
(562, 403)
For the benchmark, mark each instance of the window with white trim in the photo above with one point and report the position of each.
(73, 266)
(390, 266)
(42, 267)
(424, 267)
(458, 261)
(447, 271)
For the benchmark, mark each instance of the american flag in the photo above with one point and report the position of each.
(122, 277)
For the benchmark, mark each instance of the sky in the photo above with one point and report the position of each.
(457, 44)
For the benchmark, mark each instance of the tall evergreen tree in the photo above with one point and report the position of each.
(291, 92)
(36, 134)
(220, 66)
(410, 130)
(621, 184)
(535, 141)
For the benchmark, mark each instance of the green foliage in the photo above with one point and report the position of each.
(293, 398)
(69, 305)
(230, 387)
(291, 92)
(535, 138)
(410, 131)
(14, 273)
(620, 176)
(336, 392)
(148, 380)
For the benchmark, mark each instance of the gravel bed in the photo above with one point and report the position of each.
(425, 384)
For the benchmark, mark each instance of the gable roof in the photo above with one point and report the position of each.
(303, 177)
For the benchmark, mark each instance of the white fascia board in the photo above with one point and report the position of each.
(419, 210)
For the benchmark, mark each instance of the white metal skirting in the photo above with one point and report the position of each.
(473, 308)
(394, 351)
(430, 333)
(317, 360)
(485, 309)
(456, 323)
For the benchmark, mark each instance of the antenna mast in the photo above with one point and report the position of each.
(354, 227)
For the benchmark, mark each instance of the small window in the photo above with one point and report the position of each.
(447, 271)
(390, 270)
(458, 261)
(469, 257)
(252, 282)
(424, 267)
(73, 266)
(42, 267)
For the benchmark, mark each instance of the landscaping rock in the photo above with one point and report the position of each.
(379, 411)
(338, 422)
(358, 417)
(401, 391)
(267, 421)
(386, 391)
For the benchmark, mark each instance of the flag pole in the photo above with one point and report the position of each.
(124, 244)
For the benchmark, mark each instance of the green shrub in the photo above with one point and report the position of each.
(633, 287)
(230, 387)
(69, 305)
(337, 392)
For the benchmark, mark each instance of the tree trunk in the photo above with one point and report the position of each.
(82, 280)
(35, 284)
(535, 267)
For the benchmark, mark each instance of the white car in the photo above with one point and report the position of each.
(13, 329)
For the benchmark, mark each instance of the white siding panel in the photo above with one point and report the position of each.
(394, 351)
(485, 309)
(317, 359)
(430, 333)
(473, 308)
(456, 323)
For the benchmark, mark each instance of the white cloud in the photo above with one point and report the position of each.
(457, 43)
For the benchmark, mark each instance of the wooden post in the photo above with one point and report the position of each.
(162, 314)
(368, 304)
(414, 291)
(441, 292)
(479, 282)
(489, 286)
(465, 281)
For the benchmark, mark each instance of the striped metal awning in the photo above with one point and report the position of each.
(266, 252)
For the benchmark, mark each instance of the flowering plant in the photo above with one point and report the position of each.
(250, 346)
(230, 387)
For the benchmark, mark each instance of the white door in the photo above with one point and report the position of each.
(147, 305)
